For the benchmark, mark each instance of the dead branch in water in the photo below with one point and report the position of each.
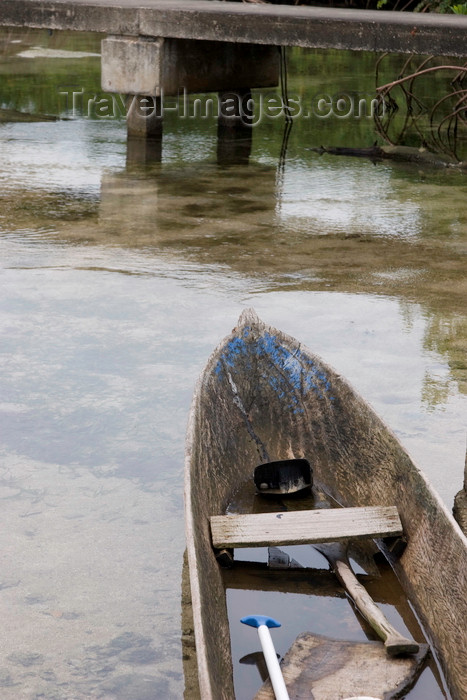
(440, 126)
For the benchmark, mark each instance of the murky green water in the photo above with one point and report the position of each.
(118, 279)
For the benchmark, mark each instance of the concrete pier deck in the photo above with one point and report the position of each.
(276, 25)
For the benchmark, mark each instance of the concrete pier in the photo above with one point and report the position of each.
(148, 70)
(156, 66)
(273, 25)
(159, 47)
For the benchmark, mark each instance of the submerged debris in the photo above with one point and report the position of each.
(403, 154)
(14, 115)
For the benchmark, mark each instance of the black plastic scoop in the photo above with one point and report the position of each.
(282, 477)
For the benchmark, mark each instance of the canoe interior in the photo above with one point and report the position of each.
(264, 397)
(317, 604)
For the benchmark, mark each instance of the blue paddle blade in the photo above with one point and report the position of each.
(257, 620)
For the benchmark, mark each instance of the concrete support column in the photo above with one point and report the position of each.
(131, 66)
(234, 126)
(141, 150)
(144, 128)
(144, 116)
(154, 68)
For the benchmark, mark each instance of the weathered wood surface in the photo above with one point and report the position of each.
(190, 672)
(262, 391)
(460, 502)
(331, 669)
(394, 641)
(304, 526)
(270, 24)
(460, 509)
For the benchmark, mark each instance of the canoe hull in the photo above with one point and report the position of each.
(263, 396)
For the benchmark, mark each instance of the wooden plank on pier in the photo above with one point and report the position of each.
(304, 526)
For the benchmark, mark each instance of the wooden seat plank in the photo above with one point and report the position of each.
(304, 526)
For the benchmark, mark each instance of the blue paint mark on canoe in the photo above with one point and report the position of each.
(292, 375)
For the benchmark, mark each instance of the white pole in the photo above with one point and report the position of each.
(263, 623)
(275, 673)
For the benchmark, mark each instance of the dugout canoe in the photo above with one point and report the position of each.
(263, 393)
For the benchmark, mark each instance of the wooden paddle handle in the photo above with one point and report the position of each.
(394, 642)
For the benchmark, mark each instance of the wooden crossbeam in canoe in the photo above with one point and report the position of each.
(304, 526)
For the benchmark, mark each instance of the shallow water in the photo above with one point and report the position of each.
(118, 280)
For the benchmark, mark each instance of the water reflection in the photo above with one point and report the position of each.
(367, 204)
(257, 223)
(366, 226)
(253, 222)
